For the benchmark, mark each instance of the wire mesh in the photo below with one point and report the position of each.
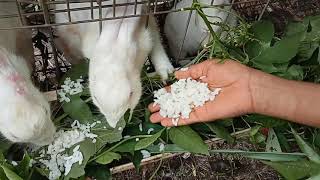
(39, 16)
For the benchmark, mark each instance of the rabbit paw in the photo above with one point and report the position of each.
(164, 69)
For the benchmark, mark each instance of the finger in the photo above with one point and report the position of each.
(168, 122)
(195, 71)
(156, 117)
(153, 107)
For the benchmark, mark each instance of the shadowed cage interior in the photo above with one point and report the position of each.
(49, 61)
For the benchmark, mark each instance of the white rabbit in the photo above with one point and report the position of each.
(24, 111)
(116, 55)
(198, 34)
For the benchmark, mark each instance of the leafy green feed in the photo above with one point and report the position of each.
(56, 157)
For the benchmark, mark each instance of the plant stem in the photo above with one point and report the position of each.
(118, 144)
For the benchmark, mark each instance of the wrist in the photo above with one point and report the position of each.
(264, 91)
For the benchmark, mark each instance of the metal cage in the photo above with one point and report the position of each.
(38, 16)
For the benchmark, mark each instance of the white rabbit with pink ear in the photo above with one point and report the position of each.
(198, 33)
(117, 55)
(24, 111)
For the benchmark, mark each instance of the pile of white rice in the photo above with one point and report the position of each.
(70, 88)
(184, 95)
(55, 157)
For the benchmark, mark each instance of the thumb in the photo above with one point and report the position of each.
(195, 71)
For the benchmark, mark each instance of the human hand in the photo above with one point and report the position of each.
(234, 99)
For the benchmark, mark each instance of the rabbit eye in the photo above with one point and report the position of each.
(131, 94)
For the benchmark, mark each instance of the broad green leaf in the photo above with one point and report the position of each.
(2, 158)
(315, 177)
(295, 170)
(225, 122)
(23, 167)
(127, 146)
(295, 72)
(265, 67)
(143, 143)
(269, 156)
(296, 27)
(78, 109)
(307, 48)
(188, 139)
(263, 31)
(272, 144)
(3, 175)
(221, 132)
(4, 144)
(87, 149)
(76, 71)
(10, 174)
(282, 52)
(136, 160)
(107, 134)
(108, 157)
(306, 148)
(265, 121)
(168, 148)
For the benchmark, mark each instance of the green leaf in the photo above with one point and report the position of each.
(168, 148)
(283, 141)
(23, 167)
(306, 49)
(265, 121)
(136, 160)
(282, 52)
(295, 27)
(78, 109)
(107, 157)
(272, 143)
(10, 174)
(295, 72)
(87, 149)
(295, 170)
(143, 143)
(188, 139)
(76, 71)
(107, 134)
(221, 132)
(270, 156)
(127, 146)
(263, 31)
(315, 177)
(306, 148)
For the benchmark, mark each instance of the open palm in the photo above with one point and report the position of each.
(234, 98)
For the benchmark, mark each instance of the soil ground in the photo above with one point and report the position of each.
(215, 167)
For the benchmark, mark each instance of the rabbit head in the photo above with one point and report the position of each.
(114, 90)
(25, 112)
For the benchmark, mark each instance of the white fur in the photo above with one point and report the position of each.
(198, 34)
(116, 55)
(24, 111)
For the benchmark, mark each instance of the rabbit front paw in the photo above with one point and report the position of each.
(164, 69)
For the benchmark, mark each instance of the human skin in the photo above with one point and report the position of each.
(246, 90)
